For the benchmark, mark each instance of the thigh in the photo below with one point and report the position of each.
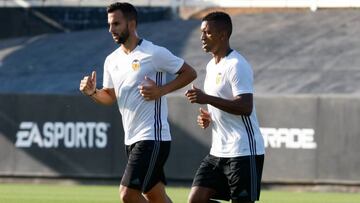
(210, 176)
(201, 194)
(131, 195)
(244, 177)
(157, 194)
(145, 165)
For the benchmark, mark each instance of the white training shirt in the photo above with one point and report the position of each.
(232, 135)
(142, 120)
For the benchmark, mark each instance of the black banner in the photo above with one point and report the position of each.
(60, 136)
(309, 139)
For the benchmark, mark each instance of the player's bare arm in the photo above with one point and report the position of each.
(104, 96)
(240, 105)
(150, 91)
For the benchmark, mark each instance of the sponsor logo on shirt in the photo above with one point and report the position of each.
(218, 78)
(135, 65)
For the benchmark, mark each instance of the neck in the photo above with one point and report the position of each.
(221, 53)
(130, 44)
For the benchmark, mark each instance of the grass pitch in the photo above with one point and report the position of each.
(41, 193)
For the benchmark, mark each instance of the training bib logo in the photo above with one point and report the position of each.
(135, 65)
(218, 78)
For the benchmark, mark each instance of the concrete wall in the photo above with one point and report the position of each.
(30, 21)
(16, 22)
(309, 139)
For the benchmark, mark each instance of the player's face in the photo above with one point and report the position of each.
(210, 37)
(118, 27)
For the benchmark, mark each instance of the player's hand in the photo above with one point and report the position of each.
(195, 95)
(149, 90)
(88, 84)
(203, 118)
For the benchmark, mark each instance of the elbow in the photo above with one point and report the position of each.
(248, 110)
(191, 72)
(244, 112)
(188, 73)
(105, 103)
(193, 75)
(245, 105)
(109, 104)
(247, 113)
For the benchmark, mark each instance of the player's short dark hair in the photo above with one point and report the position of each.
(127, 9)
(221, 19)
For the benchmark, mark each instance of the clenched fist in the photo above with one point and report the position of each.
(149, 90)
(196, 95)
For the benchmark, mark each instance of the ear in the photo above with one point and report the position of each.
(224, 35)
(132, 24)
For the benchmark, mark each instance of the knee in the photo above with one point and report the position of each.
(125, 195)
(191, 199)
(199, 197)
(196, 199)
(157, 194)
(155, 197)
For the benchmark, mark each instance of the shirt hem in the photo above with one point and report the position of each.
(234, 155)
(144, 139)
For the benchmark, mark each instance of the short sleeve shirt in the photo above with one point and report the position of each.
(232, 135)
(142, 120)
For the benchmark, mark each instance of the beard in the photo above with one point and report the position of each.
(206, 48)
(122, 37)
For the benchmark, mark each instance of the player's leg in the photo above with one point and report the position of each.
(209, 182)
(154, 181)
(200, 194)
(238, 201)
(244, 177)
(157, 194)
(130, 187)
(144, 169)
(129, 195)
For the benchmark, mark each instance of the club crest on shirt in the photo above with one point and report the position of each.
(135, 65)
(218, 78)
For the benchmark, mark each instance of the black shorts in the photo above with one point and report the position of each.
(145, 166)
(235, 178)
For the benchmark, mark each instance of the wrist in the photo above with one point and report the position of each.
(92, 94)
(208, 99)
(162, 91)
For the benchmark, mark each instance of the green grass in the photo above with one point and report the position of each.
(41, 193)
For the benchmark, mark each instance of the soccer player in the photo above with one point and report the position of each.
(233, 168)
(134, 76)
